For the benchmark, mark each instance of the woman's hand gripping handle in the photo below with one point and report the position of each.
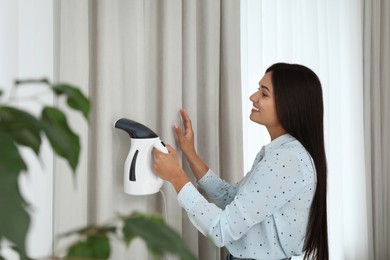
(167, 167)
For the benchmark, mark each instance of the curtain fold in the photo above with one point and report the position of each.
(71, 64)
(377, 118)
(144, 60)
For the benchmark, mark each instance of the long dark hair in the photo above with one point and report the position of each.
(300, 109)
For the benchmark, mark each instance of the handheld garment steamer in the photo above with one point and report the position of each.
(139, 178)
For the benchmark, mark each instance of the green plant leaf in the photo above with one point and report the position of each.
(23, 127)
(10, 160)
(90, 230)
(63, 140)
(1, 92)
(14, 219)
(96, 247)
(75, 98)
(159, 237)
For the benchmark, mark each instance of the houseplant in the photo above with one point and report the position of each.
(19, 128)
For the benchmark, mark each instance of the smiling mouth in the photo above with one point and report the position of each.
(255, 109)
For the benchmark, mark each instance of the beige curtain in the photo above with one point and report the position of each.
(377, 118)
(145, 59)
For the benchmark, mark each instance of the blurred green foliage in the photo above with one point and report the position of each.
(19, 128)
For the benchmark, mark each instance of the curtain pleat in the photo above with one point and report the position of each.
(145, 60)
(377, 119)
(71, 65)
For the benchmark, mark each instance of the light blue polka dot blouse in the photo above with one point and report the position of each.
(265, 215)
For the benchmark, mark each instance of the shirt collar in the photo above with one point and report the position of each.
(276, 143)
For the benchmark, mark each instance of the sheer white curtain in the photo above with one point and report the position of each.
(26, 51)
(327, 37)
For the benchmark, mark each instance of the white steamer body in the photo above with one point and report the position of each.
(139, 178)
(138, 175)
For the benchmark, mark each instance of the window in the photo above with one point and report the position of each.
(326, 37)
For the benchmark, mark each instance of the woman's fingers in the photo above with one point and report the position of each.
(178, 131)
(187, 126)
(157, 153)
(170, 149)
(186, 120)
(186, 137)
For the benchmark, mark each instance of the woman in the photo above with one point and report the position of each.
(278, 209)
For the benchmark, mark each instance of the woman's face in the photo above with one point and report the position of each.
(264, 110)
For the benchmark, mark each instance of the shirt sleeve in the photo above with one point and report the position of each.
(272, 183)
(217, 190)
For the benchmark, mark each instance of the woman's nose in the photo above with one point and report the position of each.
(253, 97)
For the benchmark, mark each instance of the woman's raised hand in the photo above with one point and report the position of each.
(186, 143)
(186, 139)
